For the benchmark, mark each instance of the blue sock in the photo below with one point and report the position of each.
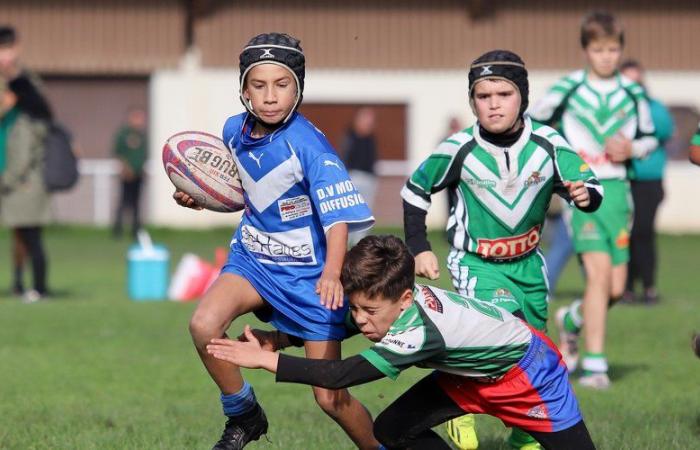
(239, 403)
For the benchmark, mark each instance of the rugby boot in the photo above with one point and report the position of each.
(240, 430)
(462, 431)
(595, 380)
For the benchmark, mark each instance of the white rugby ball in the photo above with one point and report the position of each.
(200, 165)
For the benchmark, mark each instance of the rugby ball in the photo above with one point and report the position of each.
(200, 165)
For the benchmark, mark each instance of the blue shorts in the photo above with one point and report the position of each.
(294, 307)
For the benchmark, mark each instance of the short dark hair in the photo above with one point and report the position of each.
(8, 35)
(378, 265)
(631, 64)
(601, 24)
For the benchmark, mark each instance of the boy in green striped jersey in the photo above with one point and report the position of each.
(485, 359)
(606, 118)
(500, 175)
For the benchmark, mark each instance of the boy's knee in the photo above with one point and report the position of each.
(331, 401)
(616, 293)
(203, 328)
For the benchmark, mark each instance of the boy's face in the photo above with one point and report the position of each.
(603, 56)
(272, 91)
(375, 315)
(496, 105)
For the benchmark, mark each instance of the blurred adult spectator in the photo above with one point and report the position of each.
(24, 202)
(695, 148)
(359, 152)
(454, 125)
(647, 194)
(130, 147)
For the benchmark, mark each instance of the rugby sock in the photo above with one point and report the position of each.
(240, 402)
(519, 438)
(594, 363)
(573, 321)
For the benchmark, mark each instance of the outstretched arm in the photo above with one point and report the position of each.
(329, 374)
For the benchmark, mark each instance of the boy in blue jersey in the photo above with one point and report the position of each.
(287, 253)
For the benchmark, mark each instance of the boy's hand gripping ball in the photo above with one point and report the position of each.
(200, 165)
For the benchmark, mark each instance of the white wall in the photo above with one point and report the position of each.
(195, 99)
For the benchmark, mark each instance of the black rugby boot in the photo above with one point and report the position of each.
(240, 430)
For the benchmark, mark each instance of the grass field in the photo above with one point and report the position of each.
(90, 369)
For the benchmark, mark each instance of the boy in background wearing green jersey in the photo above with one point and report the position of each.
(485, 359)
(500, 175)
(606, 119)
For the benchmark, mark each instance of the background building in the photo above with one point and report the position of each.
(408, 59)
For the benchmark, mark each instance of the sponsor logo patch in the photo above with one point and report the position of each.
(623, 239)
(589, 231)
(294, 208)
(510, 247)
(294, 247)
(482, 184)
(403, 341)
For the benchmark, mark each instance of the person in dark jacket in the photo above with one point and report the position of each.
(647, 194)
(130, 147)
(359, 152)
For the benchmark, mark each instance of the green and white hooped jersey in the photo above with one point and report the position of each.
(588, 112)
(696, 139)
(446, 331)
(498, 196)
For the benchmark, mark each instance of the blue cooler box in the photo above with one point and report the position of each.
(148, 272)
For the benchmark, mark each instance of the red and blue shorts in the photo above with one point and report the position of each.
(534, 395)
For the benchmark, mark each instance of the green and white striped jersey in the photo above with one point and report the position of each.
(446, 331)
(498, 196)
(588, 112)
(696, 139)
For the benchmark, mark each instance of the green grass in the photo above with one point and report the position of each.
(90, 369)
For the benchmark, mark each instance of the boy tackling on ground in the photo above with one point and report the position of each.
(486, 360)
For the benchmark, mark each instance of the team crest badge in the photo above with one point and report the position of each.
(431, 300)
(534, 179)
(538, 412)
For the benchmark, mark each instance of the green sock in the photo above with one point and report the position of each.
(573, 321)
(519, 438)
(569, 324)
(594, 363)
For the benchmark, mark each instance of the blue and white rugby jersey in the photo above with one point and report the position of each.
(295, 189)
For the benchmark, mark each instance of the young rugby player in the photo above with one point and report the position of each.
(288, 251)
(606, 119)
(486, 360)
(500, 175)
